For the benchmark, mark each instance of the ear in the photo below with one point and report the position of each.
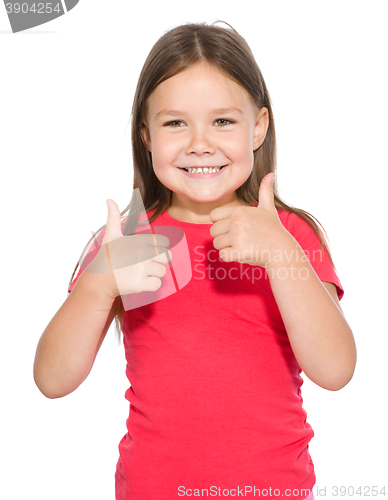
(261, 127)
(146, 136)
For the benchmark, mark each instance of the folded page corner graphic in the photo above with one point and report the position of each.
(70, 4)
(178, 270)
(29, 13)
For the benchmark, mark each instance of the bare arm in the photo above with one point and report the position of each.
(68, 347)
(319, 334)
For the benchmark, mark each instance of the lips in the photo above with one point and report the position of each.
(204, 175)
(204, 166)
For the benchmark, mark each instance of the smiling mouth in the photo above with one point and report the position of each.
(202, 169)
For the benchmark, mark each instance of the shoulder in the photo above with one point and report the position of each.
(299, 227)
(287, 217)
(309, 236)
(311, 245)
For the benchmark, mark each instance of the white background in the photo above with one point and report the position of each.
(66, 91)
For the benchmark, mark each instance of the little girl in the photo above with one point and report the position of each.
(214, 368)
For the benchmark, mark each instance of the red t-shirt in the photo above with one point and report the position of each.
(215, 389)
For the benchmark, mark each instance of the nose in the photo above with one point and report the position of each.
(200, 143)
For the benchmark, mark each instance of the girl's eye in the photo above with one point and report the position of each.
(171, 123)
(223, 120)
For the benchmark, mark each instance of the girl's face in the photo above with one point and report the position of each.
(200, 118)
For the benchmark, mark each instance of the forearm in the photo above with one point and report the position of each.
(67, 348)
(319, 334)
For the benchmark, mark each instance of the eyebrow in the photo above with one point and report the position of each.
(165, 112)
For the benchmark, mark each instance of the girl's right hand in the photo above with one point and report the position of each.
(133, 262)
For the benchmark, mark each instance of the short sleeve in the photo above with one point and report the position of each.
(308, 240)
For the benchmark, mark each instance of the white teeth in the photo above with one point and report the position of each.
(203, 170)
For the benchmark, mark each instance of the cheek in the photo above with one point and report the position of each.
(164, 150)
(164, 156)
(240, 144)
(161, 171)
(241, 151)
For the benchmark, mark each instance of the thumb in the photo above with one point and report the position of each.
(113, 223)
(266, 196)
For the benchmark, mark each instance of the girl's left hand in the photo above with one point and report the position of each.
(251, 235)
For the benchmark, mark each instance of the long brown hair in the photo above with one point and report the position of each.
(177, 50)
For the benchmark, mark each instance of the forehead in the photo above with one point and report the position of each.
(200, 87)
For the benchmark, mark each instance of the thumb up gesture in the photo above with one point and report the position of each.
(135, 263)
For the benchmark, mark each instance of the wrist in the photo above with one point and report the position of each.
(287, 252)
(99, 285)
